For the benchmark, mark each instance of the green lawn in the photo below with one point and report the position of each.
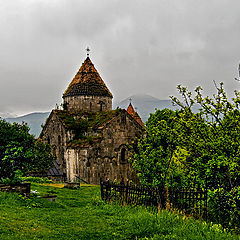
(80, 214)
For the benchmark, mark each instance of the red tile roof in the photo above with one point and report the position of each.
(87, 82)
(138, 119)
(134, 114)
(130, 109)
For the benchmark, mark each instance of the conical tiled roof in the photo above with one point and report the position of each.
(87, 82)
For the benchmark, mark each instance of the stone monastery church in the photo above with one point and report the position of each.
(90, 140)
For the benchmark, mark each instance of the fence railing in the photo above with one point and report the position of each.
(192, 201)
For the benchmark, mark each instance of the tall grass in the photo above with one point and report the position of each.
(80, 214)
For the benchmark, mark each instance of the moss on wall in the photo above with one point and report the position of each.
(84, 120)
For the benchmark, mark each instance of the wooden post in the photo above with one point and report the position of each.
(28, 189)
(102, 191)
(205, 201)
(126, 194)
(108, 190)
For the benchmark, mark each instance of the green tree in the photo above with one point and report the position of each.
(186, 146)
(20, 152)
(214, 150)
(212, 136)
(159, 142)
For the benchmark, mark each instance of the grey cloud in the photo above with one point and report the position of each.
(137, 46)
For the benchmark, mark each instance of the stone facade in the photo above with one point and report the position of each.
(90, 140)
(55, 134)
(107, 159)
(87, 103)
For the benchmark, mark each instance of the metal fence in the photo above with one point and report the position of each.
(192, 201)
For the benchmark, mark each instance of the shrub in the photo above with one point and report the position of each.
(19, 151)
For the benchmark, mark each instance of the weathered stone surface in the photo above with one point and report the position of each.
(21, 188)
(90, 140)
(88, 103)
(108, 158)
(55, 134)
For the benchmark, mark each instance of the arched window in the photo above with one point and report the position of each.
(101, 105)
(90, 106)
(88, 164)
(123, 155)
(48, 140)
(123, 119)
(59, 140)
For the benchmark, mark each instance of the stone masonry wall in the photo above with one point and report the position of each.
(88, 103)
(55, 134)
(107, 159)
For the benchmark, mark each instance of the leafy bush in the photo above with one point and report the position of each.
(36, 180)
(183, 147)
(19, 151)
(16, 179)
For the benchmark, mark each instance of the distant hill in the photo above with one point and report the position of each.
(34, 121)
(145, 104)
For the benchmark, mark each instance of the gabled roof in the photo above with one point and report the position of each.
(75, 121)
(83, 122)
(138, 119)
(134, 114)
(130, 109)
(87, 81)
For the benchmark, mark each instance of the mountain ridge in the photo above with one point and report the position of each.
(144, 104)
(34, 121)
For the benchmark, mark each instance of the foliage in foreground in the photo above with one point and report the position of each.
(80, 214)
(20, 153)
(36, 180)
(183, 147)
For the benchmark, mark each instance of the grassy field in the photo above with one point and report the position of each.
(80, 214)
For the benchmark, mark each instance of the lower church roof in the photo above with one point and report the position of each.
(84, 119)
(82, 122)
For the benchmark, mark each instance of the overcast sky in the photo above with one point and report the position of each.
(138, 46)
